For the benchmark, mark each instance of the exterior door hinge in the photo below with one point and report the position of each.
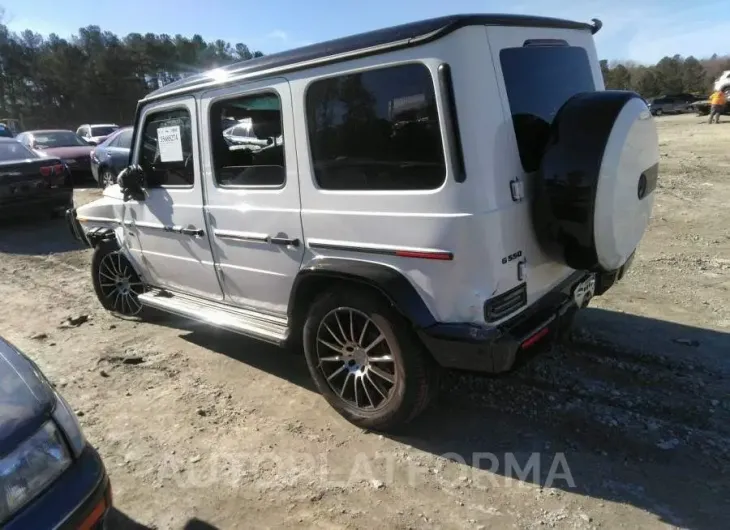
(522, 270)
(517, 188)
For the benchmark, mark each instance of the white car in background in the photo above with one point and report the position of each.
(96, 133)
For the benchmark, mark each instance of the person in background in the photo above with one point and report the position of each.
(717, 104)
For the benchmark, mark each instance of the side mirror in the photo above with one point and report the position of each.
(131, 182)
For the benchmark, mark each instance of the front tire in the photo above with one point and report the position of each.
(116, 283)
(366, 361)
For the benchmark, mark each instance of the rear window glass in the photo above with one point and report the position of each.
(10, 151)
(538, 81)
(103, 130)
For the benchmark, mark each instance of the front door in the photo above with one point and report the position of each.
(167, 229)
(252, 193)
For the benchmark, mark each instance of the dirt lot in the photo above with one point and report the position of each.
(627, 426)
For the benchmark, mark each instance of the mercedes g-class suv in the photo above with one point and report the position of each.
(412, 202)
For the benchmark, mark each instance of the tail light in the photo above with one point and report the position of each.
(46, 171)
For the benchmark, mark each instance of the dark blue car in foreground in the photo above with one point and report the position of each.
(50, 477)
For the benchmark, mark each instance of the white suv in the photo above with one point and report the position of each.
(445, 193)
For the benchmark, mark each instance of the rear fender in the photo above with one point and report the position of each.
(393, 285)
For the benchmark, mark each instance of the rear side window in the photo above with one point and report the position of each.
(167, 149)
(123, 139)
(539, 80)
(376, 130)
(11, 151)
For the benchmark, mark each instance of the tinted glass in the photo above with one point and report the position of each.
(46, 140)
(251, 153)
(376, 130)
(10, 151)
(171, 165)
(102, 130)
(124, 139)
(539, 80)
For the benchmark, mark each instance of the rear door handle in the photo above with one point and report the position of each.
(284, 241)
(195, 232)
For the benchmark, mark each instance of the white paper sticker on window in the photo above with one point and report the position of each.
(169, 142)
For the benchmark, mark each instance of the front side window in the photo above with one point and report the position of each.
(539, 80)
(247, 141)
(166, 154)
(376, 130)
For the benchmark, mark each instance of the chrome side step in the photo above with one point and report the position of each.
(252, 324)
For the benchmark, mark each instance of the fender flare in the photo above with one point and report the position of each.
(388, 281)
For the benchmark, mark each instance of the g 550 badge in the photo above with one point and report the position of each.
(512, 257)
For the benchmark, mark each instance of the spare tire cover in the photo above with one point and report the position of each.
(598, 176)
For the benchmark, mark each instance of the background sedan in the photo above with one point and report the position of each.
(64, 144)
(30, 182)
(111, 156)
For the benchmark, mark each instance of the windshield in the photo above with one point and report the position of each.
(103, 130)
(539, 80)
(10, 151)
(47, 140)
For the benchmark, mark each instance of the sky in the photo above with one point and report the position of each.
(638, 30)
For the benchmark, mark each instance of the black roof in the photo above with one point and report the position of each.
(404, 35)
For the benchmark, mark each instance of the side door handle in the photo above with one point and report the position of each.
(195, 232)
(284, 241)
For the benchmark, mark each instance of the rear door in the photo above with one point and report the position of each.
(537, 70)
(252, 204)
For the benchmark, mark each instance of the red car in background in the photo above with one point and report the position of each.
(63, 144)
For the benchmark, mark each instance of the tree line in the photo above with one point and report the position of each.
(96, 76)
(671, 75)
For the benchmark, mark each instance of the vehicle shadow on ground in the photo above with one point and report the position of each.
(630, 409)
(626, 436)
(36, 234)
(119, 521)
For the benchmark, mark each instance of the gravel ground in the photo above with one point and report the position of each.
(626, 425)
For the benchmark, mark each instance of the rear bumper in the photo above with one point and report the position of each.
(55, 200)
(495, 349)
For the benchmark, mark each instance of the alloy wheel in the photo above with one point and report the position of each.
(107, 179)
(120, 283)
(356, 359)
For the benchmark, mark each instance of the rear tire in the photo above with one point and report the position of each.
(366, 361)
(116, 284)
(107, 178)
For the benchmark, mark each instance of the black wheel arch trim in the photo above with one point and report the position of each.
(388, 281)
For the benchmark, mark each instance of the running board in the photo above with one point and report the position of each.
(252, 324)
